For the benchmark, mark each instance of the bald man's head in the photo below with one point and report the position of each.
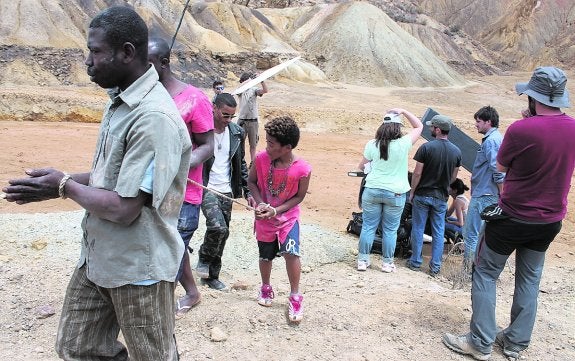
(159, 48)
(159, 56)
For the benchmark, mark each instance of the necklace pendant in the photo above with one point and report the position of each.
(219, 147)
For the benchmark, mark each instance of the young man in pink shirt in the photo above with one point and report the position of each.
(196, 111)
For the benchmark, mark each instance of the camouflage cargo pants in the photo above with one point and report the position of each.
(218, 212)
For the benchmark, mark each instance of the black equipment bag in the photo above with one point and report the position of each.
(354, 226)
(403, 245)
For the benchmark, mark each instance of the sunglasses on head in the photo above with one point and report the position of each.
(220, 87)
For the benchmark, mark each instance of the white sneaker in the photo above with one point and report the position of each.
(388, 267)
(362, 265)
(461, 345)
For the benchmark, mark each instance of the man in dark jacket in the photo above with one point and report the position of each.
(227, 173)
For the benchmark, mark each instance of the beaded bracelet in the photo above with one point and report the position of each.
(275, 212)
(62, 185)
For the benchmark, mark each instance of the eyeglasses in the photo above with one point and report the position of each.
(220, 87)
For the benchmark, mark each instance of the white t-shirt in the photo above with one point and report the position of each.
(220, 172)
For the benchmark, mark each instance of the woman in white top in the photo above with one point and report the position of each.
(458, 208)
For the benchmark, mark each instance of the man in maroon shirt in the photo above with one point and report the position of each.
(537, 155)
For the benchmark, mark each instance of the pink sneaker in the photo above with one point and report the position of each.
(295, 310)
(266, 295)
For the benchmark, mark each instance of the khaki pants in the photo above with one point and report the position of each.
(92, 318)
(251, 128)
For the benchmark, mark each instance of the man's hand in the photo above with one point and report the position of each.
(525, 113)
(40, 186)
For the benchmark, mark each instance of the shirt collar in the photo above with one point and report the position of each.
(489, 132)
(134, 94)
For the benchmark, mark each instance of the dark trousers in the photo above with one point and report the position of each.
(218, 213)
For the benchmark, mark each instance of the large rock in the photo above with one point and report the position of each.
(525, 33)
(352, 42)
(357, 43)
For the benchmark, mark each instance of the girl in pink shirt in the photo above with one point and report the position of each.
(278, 182)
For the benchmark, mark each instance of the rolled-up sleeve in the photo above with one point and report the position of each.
(491, 149)
(146, 141)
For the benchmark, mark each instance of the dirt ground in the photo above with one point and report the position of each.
(349, 315)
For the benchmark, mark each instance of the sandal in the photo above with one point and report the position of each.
(182, 310)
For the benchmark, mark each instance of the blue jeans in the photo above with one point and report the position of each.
(187, 224)
(383, 207)
(435, 209)
(453, 228)
(474, 225)
(528, 269)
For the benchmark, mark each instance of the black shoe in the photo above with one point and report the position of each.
(433, 274)
(214, 283)
(411, 266)
(509, 350)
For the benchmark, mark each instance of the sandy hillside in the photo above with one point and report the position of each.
(349, 315)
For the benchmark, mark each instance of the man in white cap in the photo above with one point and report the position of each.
(539, 159)
(436, 167)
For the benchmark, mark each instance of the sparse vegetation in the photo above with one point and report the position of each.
(454, 29)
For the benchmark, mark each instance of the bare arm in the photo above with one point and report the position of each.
(457, 207)
(263, 90)
(417, 125)
(459, 213)
(253, 186)
(502, 169)
(454, 174)
(43, 184)
(82, 178)
(415, 178)
(451, 208)
(107, 204)
(362, 163)
(204, 149)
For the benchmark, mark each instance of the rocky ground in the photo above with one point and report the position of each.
(348, 315)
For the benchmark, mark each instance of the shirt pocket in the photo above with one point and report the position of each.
(480, 158)
(114, 151)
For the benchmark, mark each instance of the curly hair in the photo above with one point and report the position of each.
(284, 130)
